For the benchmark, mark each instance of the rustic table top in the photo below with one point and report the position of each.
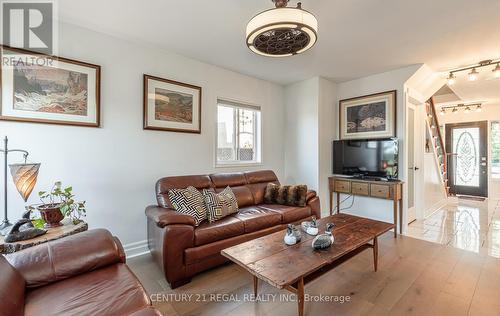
(271, 260)
(67, 229)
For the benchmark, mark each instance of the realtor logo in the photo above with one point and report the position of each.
(28, 25)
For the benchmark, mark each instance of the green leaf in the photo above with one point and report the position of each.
(38, 223)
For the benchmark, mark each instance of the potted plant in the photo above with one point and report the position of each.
(58, 204)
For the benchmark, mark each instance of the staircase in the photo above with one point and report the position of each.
(437, 142)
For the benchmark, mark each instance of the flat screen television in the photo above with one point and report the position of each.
(376, 158)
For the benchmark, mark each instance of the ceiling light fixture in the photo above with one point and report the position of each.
(282, 31)
(451, 79)
(473, 75)
(467, 108)
(496, 71)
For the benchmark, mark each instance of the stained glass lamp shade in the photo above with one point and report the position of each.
(24, 176)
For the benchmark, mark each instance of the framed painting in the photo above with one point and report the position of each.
(171, 106)
(48, 89)
(368, 117)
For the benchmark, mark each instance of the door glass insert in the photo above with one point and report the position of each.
(466, 148)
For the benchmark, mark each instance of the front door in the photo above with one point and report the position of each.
(468, 164)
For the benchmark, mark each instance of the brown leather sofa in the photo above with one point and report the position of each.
(183, 250)
(83, 274)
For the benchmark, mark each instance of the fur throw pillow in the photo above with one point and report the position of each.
(292, 195)
(220, 204)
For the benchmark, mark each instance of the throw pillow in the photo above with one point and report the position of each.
(220, 204)
(189, 201)
(292, 195)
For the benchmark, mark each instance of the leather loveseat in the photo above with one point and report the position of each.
(182, 250)
(83, 274)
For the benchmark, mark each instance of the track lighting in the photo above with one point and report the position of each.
(451, 79)
(473, 75)
(496, 71)
(467, 108)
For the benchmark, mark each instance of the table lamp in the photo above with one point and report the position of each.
(24, 176)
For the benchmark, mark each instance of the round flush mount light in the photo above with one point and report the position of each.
(282, 31)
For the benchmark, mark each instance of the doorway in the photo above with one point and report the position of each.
(467, 144)
(413, 128)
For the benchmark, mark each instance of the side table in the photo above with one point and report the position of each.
(67, 229)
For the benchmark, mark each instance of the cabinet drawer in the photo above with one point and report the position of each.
(342, 186)
(359, 188)
(380, 190)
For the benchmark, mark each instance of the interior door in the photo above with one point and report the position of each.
(412, 168)
(468, 164)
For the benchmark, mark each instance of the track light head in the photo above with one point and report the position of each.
(442, 112)
(451, 79)
(479, 108)
(473, 74)
(496, 71)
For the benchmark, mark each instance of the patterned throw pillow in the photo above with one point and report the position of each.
(220, 204)
(189, 201)
(292, 195)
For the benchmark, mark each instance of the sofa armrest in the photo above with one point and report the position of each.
(310, 195)
(166, 216)
(67, 257)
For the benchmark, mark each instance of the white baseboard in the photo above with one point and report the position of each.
(136, 249)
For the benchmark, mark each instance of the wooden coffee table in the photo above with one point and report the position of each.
(291, 267)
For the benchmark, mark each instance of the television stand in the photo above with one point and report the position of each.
(387, 190)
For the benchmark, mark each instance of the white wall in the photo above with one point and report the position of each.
(328, 125)
(116, 166)
(491, 112)
(392, 80)
(301, 141)
(310, 128)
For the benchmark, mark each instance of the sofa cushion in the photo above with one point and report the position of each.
(255, 218)
(289, 214)
(179, 182)
(226, 227)
(204, 256)
(113, 290)
(222, 180)
(220, 204)
(12, 287)
(189, 201)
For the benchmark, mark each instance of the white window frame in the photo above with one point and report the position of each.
(257, 134)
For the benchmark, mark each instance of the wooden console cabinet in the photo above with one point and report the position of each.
(391, 190)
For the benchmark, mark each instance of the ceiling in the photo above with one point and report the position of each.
(356, 37)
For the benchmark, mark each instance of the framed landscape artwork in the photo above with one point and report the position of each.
(48, 89)
(367, 117)
(171, 106)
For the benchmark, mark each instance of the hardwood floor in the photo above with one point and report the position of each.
(415, 277)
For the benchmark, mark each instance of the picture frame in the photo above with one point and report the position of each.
(368, 117)
(38, 88)
(171, 105)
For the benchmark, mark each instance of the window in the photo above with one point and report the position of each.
(238, 133)
(495, 149)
